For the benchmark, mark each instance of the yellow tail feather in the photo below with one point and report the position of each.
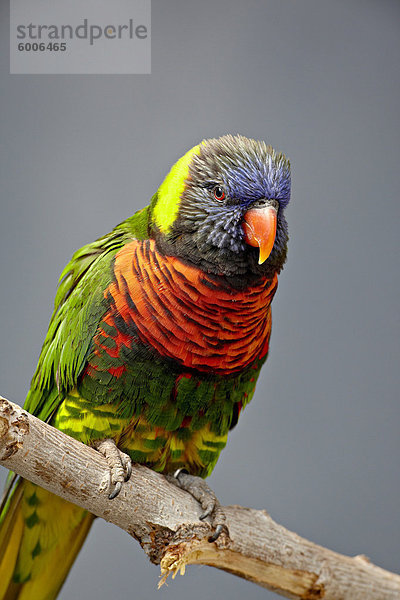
(10, 540)
(40, 537)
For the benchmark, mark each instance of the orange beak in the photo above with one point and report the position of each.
(259, 226)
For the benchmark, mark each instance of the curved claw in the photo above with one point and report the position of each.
(116, 491)
(207, 513)
(199, 489)
(119, 463)
(128, 471)
(218, 530)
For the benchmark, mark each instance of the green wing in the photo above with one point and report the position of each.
(78, 308)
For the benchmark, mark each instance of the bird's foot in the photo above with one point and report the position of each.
(201, 491)
(120, 465)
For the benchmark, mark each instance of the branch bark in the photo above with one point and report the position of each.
(165, 520)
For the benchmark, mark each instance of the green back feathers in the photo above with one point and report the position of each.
(78, 308)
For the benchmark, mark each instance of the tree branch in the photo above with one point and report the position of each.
(165, 520)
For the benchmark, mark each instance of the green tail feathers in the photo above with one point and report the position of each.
(40, 537)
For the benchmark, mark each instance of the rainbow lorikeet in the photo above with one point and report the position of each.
(158, 335)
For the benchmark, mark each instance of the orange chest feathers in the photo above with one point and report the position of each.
(187, 315)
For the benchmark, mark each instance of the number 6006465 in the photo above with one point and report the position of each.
(42, 47)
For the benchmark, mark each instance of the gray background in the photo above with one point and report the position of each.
(319, 445)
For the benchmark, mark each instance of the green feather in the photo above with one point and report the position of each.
(78, 308)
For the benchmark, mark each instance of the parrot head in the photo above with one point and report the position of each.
(221, 207)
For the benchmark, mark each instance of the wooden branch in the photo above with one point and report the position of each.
(165, 520)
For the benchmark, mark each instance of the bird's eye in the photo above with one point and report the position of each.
(218, 192)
